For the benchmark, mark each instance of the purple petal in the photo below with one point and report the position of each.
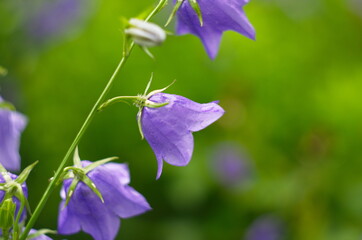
(218, 16)
(86, 211)
(92, 215)
(118, 197)
(11, 126)
(67, 221)
(168, 129)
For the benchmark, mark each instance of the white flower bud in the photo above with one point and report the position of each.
(145, 34)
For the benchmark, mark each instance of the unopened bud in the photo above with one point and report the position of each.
(7, 213)
(145, 34)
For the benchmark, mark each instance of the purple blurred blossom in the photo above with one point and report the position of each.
(11, 126)
(55, 18)
(168, 129)
(86, 211)
(218, 16)
(230, 164)
(265, 228)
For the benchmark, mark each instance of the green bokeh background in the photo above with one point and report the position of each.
(292, 100)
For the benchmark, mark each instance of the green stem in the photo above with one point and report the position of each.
(52, 184)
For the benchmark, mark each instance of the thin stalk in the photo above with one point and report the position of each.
(52, 184)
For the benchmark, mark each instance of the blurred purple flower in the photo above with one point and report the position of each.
(55, 18)
(15, 200)
(218, 16)
(86, 211)
(11, 125)
(168, 129)
(265, 228)
(230, 164)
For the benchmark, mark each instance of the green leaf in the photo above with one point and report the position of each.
(174, 11)
(25, 173)
(7, 105)
(197, 10)
(98, 163)
(76, 158)
(71, 190)
(159, 90)
(92, 186)
(2, 169)
(41, 232)
(139, 123)
(147, 51)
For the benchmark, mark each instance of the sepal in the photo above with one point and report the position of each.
(78, 173)
(174, 11)
(40, 232)
(196, 7)
(7, 106)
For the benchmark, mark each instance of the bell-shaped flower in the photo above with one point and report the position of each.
(96, 202)
(12, 124)
(167, 122)
(168, 129)
(217, 16)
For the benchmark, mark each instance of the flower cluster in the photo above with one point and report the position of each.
(95, 195)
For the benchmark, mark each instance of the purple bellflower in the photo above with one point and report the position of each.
(168, 129)
(218, 16)
(11, 125)
(95, 215)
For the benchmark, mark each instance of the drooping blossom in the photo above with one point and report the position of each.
(266, 227)
(12, 124)
(230, 164)
(168, 129)
(218, 16)
(85, 210)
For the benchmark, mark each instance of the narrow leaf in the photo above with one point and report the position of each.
(98, 163)
(25, 173)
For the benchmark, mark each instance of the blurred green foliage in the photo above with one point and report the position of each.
(292, 100)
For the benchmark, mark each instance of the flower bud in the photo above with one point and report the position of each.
(7, 212)
(145, 34)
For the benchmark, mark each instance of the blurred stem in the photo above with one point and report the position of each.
(56, 178)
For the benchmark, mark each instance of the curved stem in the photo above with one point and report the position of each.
(58, 174)
(75, 142)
